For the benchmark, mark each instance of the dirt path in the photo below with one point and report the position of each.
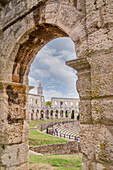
(34, 153)
(41, 166)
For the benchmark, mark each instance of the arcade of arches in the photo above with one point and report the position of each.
(61, 108)
(25, 27)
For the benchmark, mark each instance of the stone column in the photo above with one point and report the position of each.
(96, 108)
(59, 114)
(14, 130)
(44, 115)
(69, 114)
(84, 88)
(54, 114)
(39, 114)
(64, 116)
(75, 115)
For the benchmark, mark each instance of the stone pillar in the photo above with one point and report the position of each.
(44, 115)
(69, 114)
(39, 114)
(84, 88)
(59, 114)
(64, 115)
(96, 118)
(14, 131)
(75, 115)
(54, 114)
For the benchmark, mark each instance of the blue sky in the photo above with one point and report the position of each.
(58, 80)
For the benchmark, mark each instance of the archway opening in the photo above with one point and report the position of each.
(26, 56)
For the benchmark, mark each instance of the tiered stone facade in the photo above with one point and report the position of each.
(61, 108)
(25, 27)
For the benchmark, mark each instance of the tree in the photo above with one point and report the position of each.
(48, 103)
(78, 117)
(72, 114)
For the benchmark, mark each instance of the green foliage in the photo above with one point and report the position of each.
(78, 117)
(63, 162)
(51, 112)
(66, 114)
(48, 103)
(72, 115)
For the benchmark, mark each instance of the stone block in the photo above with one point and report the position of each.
(25, 133)
(89, 165)
(67, 17)
(81, 5)
(102, 85)
(17, 112)
(79, 32)
(49, 12)
(97, 143)
(11, 133)
(82, 48)
(101, 64)
(100, 40)
(107, 13)
(87, 143)
(24, 166)
(83, 85)
(93, 21)
(85, 111)
(102, 111)
(104, 166)
(104, 145)
(22, 26)
(92, 5)
(12, 12)
(15, 155)
(8, 42)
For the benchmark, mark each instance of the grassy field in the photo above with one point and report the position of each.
(37, 138)
(44, 121)
(58, 162)
(32, 125)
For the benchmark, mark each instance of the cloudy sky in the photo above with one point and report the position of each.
(58, 80)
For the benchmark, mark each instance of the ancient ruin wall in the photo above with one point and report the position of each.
(25, 27)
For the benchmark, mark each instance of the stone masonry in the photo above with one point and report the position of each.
(25, 27)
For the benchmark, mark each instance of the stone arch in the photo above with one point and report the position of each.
(51, 114)
(42, 114)
(32, 115)
(47, 114)
(72, 114)
(66, 114)
(61, 113)
(37, 115)
(89, 25)
(56, 114)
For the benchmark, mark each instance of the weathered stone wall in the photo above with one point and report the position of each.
(63, 148)
(25, 27)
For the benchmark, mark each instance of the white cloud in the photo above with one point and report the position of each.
(49, 93)
(49, 67)
(32, 81)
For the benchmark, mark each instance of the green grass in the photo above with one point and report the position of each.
(32, 125)
(44, 121)
(63, 162)
(37, 138)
